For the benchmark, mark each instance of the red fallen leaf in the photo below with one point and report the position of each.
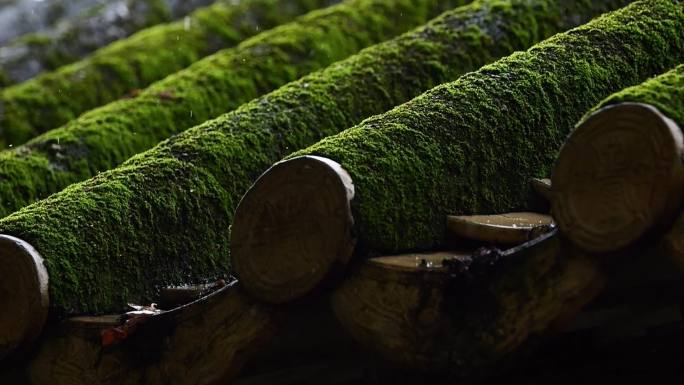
(113, 336)
(166, 95)
(132, 93)
(135, 318)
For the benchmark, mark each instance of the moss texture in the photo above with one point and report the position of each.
(665, 92)
(105, 137)
(128, 65)
(471, 146)
(76, 31)
(163, 216)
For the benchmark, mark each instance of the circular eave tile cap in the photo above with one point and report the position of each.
(24, 297)
(616, 176)
(292, 228)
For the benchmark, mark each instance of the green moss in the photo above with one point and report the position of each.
(665, 92)
(94, 273)
(133, 63)
(174, 203)
(471, 146)
(105, 137)
(373, 82)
